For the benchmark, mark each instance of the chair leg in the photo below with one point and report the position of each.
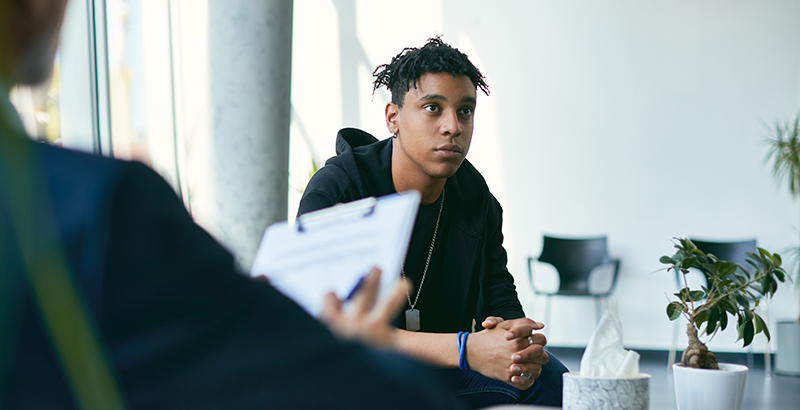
(767, 355)
(532, 298)
(547, 310)
(597, 309)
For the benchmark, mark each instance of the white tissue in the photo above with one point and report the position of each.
(604, 355)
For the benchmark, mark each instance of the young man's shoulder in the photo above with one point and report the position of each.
(359, 169)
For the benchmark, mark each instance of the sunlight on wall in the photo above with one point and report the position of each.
(316, 93)
(190, 36)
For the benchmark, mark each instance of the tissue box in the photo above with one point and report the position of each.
(596, 393)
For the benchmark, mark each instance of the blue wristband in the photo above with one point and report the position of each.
(462, 348)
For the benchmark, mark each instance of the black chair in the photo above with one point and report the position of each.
(726, 251)
(574, 260)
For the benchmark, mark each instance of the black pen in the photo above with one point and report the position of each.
(355, 288)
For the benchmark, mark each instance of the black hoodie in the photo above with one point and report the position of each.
(467, 278)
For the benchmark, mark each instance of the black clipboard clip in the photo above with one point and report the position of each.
(337, 213)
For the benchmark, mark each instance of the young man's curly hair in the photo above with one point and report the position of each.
(434, 57)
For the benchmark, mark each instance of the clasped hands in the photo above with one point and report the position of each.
(505, 349)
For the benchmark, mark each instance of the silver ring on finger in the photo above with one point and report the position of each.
(530, 340)
(525, 375)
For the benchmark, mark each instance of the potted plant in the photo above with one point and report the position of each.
(784, 152)
(732, 290)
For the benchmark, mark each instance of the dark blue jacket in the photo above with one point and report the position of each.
(182, 328)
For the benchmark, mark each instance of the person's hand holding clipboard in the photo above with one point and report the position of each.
(332, 249)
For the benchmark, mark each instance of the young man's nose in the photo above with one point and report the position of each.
(450, 124)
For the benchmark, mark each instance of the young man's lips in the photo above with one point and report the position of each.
(449, 151)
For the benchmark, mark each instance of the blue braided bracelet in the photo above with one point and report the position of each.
(462, 348)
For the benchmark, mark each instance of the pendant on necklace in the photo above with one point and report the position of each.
(412, 320)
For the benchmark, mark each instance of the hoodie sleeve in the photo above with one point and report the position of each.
(500, 293)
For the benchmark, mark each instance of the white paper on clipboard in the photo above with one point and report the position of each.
(331, 249)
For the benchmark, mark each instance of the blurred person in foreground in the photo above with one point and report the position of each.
(111, 297)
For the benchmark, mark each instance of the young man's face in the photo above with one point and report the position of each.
(434, 126)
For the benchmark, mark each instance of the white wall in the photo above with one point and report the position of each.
(639, 120)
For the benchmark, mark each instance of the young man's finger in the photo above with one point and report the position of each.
(491, 322)
(522, 328)
(533, 354)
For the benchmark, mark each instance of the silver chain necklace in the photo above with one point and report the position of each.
(412, 315)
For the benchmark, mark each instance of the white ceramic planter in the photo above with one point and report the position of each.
(704, 389)
(787, 358)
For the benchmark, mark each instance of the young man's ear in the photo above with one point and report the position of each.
(392, 110)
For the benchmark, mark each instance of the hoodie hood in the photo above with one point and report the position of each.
(367, 161)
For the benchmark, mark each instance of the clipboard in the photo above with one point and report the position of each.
(332, 249)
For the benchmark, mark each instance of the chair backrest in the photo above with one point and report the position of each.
(574, 260)
(727, 251)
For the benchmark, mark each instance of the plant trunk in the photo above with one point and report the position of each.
(697, 354)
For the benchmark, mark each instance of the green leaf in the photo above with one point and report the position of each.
(761, 326)
(730, 304)
(748, 333)
(742, 300)
(674, 310)
(696, 295)
(781, 274)
(713, 318)
(709, 269)
(684, 295)
(725, 268)
(723, 320)
(768, 285)
(756, 265)
(700, 318)
(667, 260)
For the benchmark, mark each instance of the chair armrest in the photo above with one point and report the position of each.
(614, 278)
(536, 291)
(530, 275)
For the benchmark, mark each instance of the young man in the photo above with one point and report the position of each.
(456, 258)
(111, 297)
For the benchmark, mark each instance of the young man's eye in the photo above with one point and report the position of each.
(431, 108)
(466, 111)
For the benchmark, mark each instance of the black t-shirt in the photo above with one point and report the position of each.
(434, 315)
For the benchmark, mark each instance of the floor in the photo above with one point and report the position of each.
(762, 391)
